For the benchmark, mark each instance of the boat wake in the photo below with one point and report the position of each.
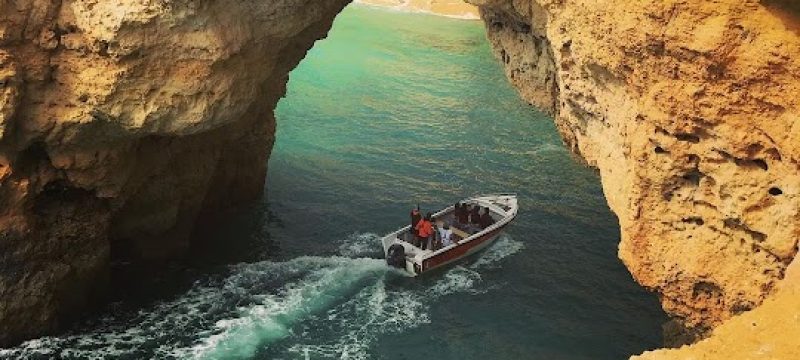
(307, 307)
(362, 245)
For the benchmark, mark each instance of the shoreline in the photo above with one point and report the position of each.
(454, 9)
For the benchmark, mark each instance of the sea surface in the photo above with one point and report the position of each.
(392, 110)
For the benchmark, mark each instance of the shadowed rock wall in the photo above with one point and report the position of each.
(121, 124)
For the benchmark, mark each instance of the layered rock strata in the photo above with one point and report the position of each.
(122, 123)
(690, 111)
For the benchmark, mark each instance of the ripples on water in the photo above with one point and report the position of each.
(333, 306)
(393, 110)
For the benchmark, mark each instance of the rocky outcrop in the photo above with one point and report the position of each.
(768, 332)
(122, 123)
(689, 110)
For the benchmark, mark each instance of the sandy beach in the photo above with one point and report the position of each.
(449, 8)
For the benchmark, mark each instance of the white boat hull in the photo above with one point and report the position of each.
(503, 207)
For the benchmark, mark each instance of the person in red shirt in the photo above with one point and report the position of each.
(424, 231)
(415, 218)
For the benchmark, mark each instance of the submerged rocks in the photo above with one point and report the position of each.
(122, 123)
(690, 112)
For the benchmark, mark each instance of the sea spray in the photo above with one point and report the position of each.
(272, 316)
(358, 322)
(320, 306)
(391, 307)
(361, 245)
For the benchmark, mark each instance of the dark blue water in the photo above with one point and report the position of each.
(390, 111)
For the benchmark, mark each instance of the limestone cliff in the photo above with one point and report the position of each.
(768, 332)
(123, 122)
(690, 111)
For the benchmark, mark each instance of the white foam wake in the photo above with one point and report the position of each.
(272, 316)
(320, 307)
(382, 309)
(361, 245)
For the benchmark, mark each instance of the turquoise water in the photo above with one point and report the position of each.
(391, 110)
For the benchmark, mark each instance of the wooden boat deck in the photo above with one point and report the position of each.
(459, 234)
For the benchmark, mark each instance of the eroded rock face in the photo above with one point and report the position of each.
(768, 332)
(121, 123)
(690, 111)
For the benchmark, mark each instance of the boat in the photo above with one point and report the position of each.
(402, 254)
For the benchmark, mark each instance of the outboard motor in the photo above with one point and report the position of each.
(396, 256)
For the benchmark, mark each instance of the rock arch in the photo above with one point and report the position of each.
(121, 124)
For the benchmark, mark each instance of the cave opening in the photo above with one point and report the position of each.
(394, 110)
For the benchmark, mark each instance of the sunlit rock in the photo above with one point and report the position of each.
(690, 112)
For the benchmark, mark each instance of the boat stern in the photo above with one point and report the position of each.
(387, 242)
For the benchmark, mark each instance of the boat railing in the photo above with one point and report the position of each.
(501, 194)
(507, 218)
(504, 221)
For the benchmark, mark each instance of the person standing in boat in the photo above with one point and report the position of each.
(435, 239)
(415, 218)
(460, 213)
(424, 231)
(486, 219)
(475, 217)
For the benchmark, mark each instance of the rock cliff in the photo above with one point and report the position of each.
(124, 122)
(690, 112)
(768, 332)
(121, 124)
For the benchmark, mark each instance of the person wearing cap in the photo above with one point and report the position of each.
(446, 235)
